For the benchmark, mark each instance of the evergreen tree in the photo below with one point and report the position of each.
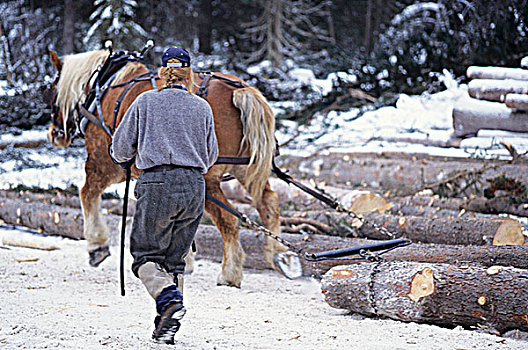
(114, 20)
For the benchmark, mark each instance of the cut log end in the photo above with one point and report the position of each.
(509, 233)
(422, 285)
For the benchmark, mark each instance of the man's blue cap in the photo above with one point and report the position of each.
(178, 53)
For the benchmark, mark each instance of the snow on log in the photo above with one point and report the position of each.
(517, 101)
(499, 73)
(494, 298)
(474, 115)
(496, 90)
(456, 231)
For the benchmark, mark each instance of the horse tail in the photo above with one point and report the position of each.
(258, 127)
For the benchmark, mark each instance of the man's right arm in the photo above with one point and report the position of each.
(124, 142)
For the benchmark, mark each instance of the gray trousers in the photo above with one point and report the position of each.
(170, 204)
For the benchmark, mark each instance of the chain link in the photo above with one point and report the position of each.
(377, 227)
(254, 226)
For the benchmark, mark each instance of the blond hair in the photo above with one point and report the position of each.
(173, 75)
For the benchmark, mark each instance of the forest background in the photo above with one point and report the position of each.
(388, 46)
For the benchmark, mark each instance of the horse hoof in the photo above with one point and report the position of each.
(289, 264)
(98, 255)
(221, 281)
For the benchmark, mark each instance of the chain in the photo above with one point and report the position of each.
(256, 227)
(377, 227)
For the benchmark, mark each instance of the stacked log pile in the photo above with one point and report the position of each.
(499, 101)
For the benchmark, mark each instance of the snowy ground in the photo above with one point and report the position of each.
(53, 299)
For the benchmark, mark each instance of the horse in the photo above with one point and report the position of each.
(244, 126)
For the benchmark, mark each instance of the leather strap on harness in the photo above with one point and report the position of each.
(206, 79)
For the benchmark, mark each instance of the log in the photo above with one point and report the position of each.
(517, 101)
(456, 231)
(494, 298)
(22, 144)
(483, 230)
(474, 115)
(496, 90)
(497, 73)
(51, 219)
(427, 200)
(209, 246)
(401, 174)
(27, 240)
(497, 205)
(113, 206)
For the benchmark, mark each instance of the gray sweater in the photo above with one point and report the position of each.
(169, 126)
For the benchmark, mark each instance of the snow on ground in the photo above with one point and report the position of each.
(53, 299)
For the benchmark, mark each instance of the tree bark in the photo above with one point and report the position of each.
(471, 117)
(497, 205)
(50, 219)
(6, 53)
(206, 26)
(497, 73)
(367, 38)
(493, 298)
(68, 34)
(496, 90)
(456, 231)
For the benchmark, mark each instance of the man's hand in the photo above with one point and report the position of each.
(124, 165)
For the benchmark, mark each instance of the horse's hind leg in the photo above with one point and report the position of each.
(268, 208)
(226, 223)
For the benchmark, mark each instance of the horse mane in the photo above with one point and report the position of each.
(76, 70)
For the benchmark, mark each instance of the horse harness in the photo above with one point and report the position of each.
(107, 73)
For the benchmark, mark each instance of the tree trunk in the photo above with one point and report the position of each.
(401, 174)
(495, 298)
(367, 37)
(50, 219)
(496, 73)
(471, 117)
(496, 90)
(456, 231)
(205, 26)
(517, 101)
(68, 33)
(497, 205)
(6, 54)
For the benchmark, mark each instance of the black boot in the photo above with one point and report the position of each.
(170, 308)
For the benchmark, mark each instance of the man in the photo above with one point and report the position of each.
(170, 132)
